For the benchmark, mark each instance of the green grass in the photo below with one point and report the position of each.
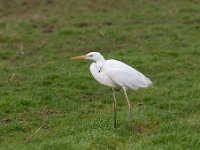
(159, 38)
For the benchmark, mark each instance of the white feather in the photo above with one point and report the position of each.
(114, 73)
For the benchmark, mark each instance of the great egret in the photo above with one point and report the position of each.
(116, 74)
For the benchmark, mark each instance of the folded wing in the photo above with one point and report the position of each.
(124, 75)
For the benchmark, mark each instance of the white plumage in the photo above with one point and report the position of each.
(116, 74)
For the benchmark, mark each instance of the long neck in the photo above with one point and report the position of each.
(100, 61)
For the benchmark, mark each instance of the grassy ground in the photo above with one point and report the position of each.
(37, 79)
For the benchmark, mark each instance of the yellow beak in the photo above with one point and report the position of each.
(80, 57)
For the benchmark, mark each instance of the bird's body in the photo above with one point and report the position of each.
(116, 74)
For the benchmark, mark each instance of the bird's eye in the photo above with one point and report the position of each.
(91, 55)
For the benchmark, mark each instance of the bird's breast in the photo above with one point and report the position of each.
(99, 73)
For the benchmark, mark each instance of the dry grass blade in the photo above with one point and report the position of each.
(36, 131)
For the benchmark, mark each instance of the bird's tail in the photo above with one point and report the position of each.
(151, 84)
(148, 82)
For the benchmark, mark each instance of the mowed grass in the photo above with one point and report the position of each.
(37, 79)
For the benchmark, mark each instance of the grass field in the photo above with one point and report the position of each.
(37, 78)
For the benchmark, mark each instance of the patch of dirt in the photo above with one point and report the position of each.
(48, 29)
(107, 23)
(141, 129)
(82, 24)
(6, 120)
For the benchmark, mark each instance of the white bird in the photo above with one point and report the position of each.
(116, 74)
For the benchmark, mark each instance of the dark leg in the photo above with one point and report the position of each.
(115, 108)
(129, 108)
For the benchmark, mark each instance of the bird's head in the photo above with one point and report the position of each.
(96, 56)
